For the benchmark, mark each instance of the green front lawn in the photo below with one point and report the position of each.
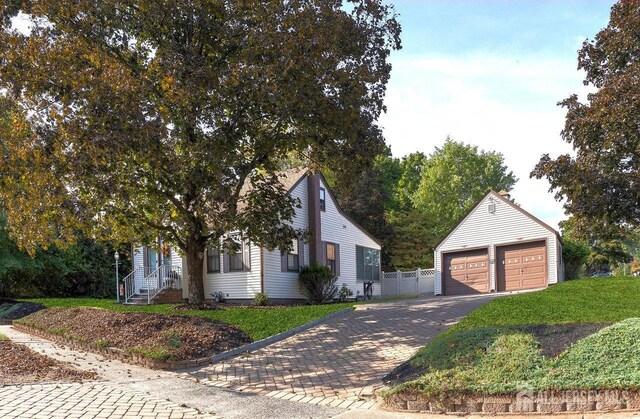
(589, 300)
(258, 323)
(500, 347)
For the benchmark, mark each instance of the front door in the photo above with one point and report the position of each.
(152, 258)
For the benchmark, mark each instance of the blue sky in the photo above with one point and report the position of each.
(490, 73)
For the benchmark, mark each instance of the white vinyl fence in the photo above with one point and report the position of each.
(420, 281)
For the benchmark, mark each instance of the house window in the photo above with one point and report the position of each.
(213, 260)
(235, 256)
(331, 257)
(322, 200)
(367, 264)
(293, 263)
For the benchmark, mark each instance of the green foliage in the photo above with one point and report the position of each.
(345, 293)
(173, 338)
(607, 244)
(365, 200)
(159, 353)
(170, 119)
(261, 299)
(496, 361)
(607, 359)
(413, 242)
(103, 343)
(83, 269)
(505, 360)
(574, 256)
(411, 168)
(452, 181)
(598, 181)
(317, 283)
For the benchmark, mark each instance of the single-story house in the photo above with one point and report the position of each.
(497, 246)
(335, 241)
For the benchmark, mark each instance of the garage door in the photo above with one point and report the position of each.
(522, 266)
(466, 272)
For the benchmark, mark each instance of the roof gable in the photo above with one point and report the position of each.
(494, 194)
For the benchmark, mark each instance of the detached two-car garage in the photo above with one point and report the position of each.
(497, 247)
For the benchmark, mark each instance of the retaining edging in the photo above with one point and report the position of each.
(549, 401)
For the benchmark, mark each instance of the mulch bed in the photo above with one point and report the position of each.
(13, 310)
(167, 336)
(553, 338)
(20, 365)
(223, 306)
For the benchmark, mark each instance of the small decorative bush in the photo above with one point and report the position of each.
(261, 299)
(317, 283)
(344, 293)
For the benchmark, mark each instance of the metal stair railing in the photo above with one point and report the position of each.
(133, 283)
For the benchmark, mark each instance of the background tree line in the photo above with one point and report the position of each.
(410, 203)
(85, 268)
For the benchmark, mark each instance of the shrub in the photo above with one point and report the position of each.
(261, 299)
(344, 293)
(317, 283)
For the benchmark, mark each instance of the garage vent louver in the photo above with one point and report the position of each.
(492, 208)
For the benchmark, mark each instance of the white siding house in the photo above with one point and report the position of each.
(335, 240)
(498, 246)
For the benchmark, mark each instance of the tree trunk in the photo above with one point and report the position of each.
(195, 256)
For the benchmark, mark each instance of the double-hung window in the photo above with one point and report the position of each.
(367, 264)
(235, 255)
(213, 260)
(293, 259)
(331, 256)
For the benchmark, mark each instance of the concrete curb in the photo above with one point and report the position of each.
(276, 338)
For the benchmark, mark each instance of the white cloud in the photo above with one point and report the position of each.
(497, 103)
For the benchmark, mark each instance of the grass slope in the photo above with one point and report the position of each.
(589, 300)
(491, 351)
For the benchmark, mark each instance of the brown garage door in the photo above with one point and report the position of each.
(522, 266)
(466, 272)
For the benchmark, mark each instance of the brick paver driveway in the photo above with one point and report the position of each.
(341, 362)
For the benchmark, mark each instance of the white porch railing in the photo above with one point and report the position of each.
(418, 282)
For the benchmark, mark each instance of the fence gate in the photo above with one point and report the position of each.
(420, 281)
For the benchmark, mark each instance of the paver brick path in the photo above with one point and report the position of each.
(94, 400)
(341, 362)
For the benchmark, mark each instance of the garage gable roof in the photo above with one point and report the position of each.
(506, 201)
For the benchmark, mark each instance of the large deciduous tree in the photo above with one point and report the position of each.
(453, 179)
(139, 119)
(601, 181)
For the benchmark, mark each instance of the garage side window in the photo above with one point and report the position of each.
(367, 264)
